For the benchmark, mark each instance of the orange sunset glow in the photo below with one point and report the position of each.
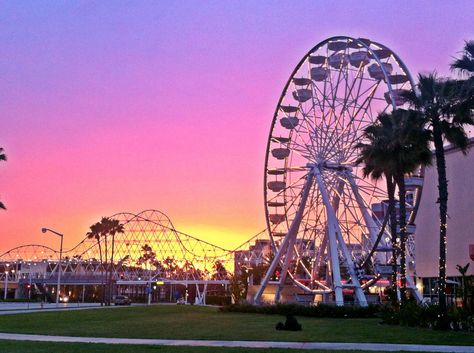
(165, 106)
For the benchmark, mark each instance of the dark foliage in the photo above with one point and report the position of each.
(322, 310)
(218, 300)
(427, 316)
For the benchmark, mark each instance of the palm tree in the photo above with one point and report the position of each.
(446, 111)
(465, 88)
(112, 227)
(3, 157)
(220, 272)
(397, 145)
(465, 64)
(101, 230)
(376, 165)
(463, 270)
(96, 233)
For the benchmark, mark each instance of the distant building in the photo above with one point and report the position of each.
(256, 255)
(460, 175)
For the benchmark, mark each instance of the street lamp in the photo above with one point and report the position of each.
(44, 230)
(6, 282)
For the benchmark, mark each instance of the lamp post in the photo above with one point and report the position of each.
(44, 230)
(6, 286)
(7, 272)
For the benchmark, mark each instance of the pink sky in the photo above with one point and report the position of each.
(125, 106)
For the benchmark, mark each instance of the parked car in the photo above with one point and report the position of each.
(122, 300)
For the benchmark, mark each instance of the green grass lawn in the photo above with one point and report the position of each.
(192, 322)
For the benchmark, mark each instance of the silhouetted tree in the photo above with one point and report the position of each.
(465, 64)
(398, 145)
(220, 272)
(446, 110)
(100, 231)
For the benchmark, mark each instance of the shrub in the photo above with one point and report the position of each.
(429, 316)
(322, 310)
(410, 314)
(390, 315)
(218, 300)
(426, 316)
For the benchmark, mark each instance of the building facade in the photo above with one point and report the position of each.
(460, 231)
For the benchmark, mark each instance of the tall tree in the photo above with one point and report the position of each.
(3, 157)
(100, 231)
(95, 232)
(112, 227)
(376, 165)
(397, 145)
(446, 111)
(464, 90)
(465, 64)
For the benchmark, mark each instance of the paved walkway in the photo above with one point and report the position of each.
(6, 306)
(52, 307)
(246, 344)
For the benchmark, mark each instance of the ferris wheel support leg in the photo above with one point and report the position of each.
(332, 240)
(351, 268)
(292, 234)
(369, 221)
(284, 245)
(319, 256)
(411, 284)
(322, 248)
(271, 270)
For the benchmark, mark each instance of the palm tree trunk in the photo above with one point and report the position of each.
(402, 220)
(101, 270)
(111, 268)
(104, 280)
(443, 210)
(393, 233)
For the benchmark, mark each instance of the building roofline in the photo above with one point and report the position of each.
(452, 149)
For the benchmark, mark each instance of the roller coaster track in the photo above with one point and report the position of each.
(150, 248)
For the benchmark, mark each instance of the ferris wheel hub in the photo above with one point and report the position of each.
(335, 166)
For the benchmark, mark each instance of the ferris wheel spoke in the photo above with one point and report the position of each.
(366, 102)
(304, 148)
(348, 93)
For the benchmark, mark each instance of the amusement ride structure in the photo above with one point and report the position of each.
(324, 218)
(149, 250)
(326, 222)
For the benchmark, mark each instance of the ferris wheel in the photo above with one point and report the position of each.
(324, 219)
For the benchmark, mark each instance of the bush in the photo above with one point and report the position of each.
(410, 315)
(218, 300)
(426, 316)
(20, 300)
(429, 316)
(461, 319)
(390, 315)
(322, 310)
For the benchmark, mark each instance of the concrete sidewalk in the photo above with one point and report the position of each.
(51, 307)
(245, 344)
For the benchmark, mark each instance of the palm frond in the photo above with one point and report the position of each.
(465, 64)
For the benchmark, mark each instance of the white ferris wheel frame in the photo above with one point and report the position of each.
(333, 238)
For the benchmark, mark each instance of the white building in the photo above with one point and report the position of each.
(460, 231)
